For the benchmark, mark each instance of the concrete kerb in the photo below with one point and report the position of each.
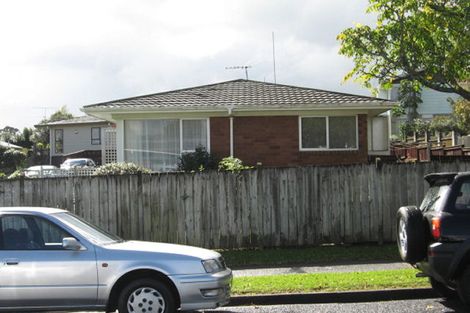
(334, 297)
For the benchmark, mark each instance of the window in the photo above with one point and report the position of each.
(194, 134)
(24, 232)
(463, 198)
(59, 141)
(96, 135)
(330, 132)
(158, 144)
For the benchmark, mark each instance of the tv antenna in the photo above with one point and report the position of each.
(45, 110)
(243, 67)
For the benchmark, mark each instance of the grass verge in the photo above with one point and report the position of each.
(327, 282)
(237, 259)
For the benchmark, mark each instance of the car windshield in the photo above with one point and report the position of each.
(433, 197)
(76, 162)
(89, 231)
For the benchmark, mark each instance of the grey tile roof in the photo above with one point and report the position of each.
(239, 93)
(76, 120)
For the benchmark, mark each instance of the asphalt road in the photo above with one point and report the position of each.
(405, 306)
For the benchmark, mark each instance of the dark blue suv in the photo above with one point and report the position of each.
(435, 238)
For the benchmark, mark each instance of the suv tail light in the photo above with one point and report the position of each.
(436, 228)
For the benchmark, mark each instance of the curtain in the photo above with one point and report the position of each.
(154, 144)
(194, 134)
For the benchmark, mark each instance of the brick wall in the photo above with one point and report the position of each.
(220, 136)
(274, 141)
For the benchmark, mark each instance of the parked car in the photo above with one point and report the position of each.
(40, 171)
(435, 237)
(73, 163)
(54, 260)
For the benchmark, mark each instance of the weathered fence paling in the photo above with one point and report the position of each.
(259, 208)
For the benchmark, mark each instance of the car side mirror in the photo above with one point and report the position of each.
(70, 243)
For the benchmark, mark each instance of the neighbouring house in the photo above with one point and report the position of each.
(258, 122)
(434, 103)
(79, 137)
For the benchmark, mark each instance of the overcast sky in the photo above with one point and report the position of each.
(74, 53)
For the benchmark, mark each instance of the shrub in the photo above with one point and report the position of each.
(406, 129)
(442, 124)
(11, 159)
(16, 174)
(2, 176)
(199, 160)
(234, 165)
(121, 169)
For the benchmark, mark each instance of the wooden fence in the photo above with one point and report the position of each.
(259, 208)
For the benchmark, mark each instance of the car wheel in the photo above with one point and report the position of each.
(146, 296)
(411, 234)
(463, 286)
(441, 289)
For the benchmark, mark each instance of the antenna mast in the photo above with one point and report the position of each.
(243, 67)
(274, 61)
(45, 110)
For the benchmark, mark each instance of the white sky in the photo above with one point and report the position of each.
(74, 53)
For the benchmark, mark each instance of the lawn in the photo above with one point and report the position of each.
(335, 254)
(328, 282)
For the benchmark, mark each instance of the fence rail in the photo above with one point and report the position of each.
(266, 207)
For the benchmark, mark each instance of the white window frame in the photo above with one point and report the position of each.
(327, 117)
(208, 133)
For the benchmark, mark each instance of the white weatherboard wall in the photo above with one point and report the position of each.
(76, 138)
(435, 102)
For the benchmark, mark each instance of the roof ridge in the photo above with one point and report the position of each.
(164, 92)
(316, 89)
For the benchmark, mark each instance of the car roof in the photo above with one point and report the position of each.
(30, 210)
(77, 159)
(446, 177)
(41, 166)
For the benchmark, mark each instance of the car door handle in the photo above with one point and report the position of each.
(11, 262)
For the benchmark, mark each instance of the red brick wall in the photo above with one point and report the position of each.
(220, 136)
(274, 141)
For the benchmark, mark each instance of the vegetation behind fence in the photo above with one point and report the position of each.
(259, 208)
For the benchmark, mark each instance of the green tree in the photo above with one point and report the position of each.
(40, 135)
(409, 95)
(8, 134)
(427, 41)
(461, 115)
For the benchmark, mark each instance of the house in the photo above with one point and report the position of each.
(434, 103)
(79, 137)
(258, 122)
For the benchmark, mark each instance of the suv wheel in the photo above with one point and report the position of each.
(146, 296)
(463, 286)
(411, 234)
(441, 289)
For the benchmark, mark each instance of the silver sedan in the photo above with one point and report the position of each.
(54, 260)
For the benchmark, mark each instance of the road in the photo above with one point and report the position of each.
(404, 306)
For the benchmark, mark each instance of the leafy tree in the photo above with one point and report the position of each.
(40, 135)
(427, 41)
(8, 134)
(409, 95)
(442, 124)
(461, 115)
(11, 159)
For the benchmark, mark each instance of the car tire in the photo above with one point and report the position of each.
(146, 296)
(411, 238)
(441, 289)
(463, 286)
